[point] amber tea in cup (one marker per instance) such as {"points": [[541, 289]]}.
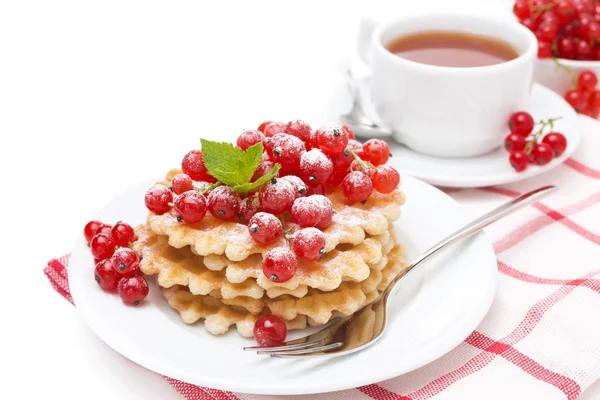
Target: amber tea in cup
{"points": [[452, 49]]}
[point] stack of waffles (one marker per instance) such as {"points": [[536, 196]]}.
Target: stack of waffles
{"points": [[212, 270]]}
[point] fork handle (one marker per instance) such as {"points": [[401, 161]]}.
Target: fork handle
{"points": [[478, 224]]}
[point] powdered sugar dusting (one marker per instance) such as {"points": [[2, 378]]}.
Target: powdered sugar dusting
{"points": [[315, 158], [299, 186]]}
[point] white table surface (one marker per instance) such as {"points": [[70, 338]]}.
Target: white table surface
{"points": [[95, 96]]}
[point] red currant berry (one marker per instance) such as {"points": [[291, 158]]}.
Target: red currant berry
{"points": [[102, 246], [345, 158], [583, 6], [326, 212], [594, 100], [307, 211], [556, 141], [332, 140], [265, 228], [587, 81], [104, 228], [276, 196], [123, 234], [521, 9], [519, 161], [529, 23], [514, 142], [583, 50], [262, 126], [577, 99], [264, 167], [191, 206], [385, 179], [273, 128], [90, 230], [158, 199], [279, 264], [365, 168], [299, 186], [181, 183], [224, 203], [270, 330], [550, 17], [376, 151], [312, 190], [336, 177], [287, 151], [547, 31], [133, 289], [521, 123], [106, 276], [542, 154], [309, 244], [314, 140], [193, 165], [581, 24], [564, 10], [248, 208], [593, 32], [349, 131], [300, 129], [566, 48], [544, 49], [357, 187], [590, 112], [125, 260], [315, 167], [249, 138]]}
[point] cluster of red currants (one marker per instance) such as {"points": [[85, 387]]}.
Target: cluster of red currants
{"points": [[585, 96], [117, 266], [526, 146], [564, 28]]}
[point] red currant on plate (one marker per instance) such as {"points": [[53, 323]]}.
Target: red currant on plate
{"points": [[104, 228], [376, 151], [309, 244], [521, 123], [276, 196], [248, 208], [544, 49], [514, 142], [181, 183], [519, 161], [326, 212], [224, 203], [191, 206], [287, 151], [300, 129], [307, 211], [279, 264], [557, 141], [106, 276], [350, 132], [193, 165], [90, 230], [332, 140], [273, 128], [299, 186], [521, 9], [542, 154], [158, 199], [587, 80], [133, 289], [249, 138], [102, 246], [385, 179], [315, 167], [577, 99], [265, 228], [125, 261], [270, 330], [123, 234], [365, 168], [262, 126], [357, 187]]}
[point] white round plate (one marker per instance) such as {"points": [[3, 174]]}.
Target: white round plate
{"points": [[486, 170], [434, 311]]}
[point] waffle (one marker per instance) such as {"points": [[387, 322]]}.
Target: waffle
{"points": [[205, 275], [351, 225]]}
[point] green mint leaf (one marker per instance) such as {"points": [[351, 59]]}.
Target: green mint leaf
{"points": [[229, 164], [252, 186]]}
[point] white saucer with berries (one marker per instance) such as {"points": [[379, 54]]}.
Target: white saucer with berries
{"points": [[536, 141], [435, 309]]}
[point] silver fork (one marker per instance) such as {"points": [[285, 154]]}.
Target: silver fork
{"points": [[347, 335]]}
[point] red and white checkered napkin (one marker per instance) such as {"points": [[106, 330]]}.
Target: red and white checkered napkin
{"points": [[541, 338]]}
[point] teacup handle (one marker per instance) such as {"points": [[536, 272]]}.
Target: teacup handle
{"points": [[365, 32]]}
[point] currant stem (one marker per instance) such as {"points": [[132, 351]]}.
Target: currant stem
{"points": [[569, 71], [535, 137], [362, 163]]}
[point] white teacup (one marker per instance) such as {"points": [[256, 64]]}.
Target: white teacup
{"points": [[448, 111]]}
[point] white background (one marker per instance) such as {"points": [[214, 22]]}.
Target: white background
{"points": [[95, 96]]}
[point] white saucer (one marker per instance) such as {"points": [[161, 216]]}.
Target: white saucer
{"points": [[435, 310], [486, 170]]}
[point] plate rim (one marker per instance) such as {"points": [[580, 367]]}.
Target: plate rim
{"points": [[478, 315]]}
